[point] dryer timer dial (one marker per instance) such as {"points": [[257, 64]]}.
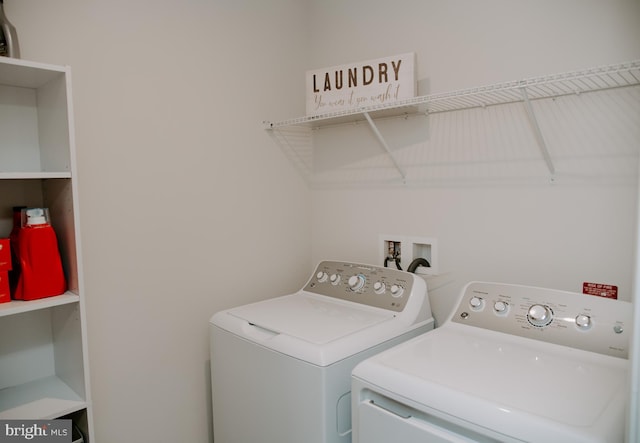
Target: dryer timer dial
{"points": [[540, 315]]}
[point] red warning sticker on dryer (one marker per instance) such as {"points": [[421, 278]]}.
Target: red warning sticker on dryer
{"points": [[601, 290]]}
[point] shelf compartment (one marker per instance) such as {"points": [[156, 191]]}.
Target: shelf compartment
{"points": [[54, 193], [41, 367], [45, 398], [34, 118]]}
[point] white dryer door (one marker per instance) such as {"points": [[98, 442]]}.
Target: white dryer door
{"points": [[381, 425]]}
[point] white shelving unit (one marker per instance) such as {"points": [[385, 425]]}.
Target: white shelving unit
{"points": [[296, 136], [43, 351]]}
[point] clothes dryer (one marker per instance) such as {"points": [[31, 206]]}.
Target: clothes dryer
{"points": [[281, 368], [512, 364]]}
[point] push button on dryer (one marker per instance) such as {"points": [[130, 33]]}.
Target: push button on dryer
{"points": [[583, 322]]}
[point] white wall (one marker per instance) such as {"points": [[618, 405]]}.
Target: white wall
{"points": [[187, 206], [556, 235], [464, 43], [524, 235]]}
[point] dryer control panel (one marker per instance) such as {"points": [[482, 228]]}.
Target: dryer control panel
{"points": [[365, 284], [565, 318]]}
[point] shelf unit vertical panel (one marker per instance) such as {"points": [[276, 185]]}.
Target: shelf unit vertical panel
{"points": [[74, 256]]}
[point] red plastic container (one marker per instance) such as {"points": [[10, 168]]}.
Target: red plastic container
{"points": [[5, 296], [41, 273], [5, 254]]}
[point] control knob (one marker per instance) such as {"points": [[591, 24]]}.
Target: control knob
{"points": [[356, 282], [334, 279], [476, 303], [379, 287], [539, 315], [396, 291], [322, 276], [500, 307]]}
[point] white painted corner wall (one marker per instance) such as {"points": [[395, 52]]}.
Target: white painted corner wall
{"points": [[188, 207]]}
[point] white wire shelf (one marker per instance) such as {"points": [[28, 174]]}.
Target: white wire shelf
{"points": [[577, 123], [577, 82]]}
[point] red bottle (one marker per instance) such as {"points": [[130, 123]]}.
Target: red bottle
{"points": [[41, 273]]}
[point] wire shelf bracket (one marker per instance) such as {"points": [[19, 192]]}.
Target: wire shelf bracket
{"points": [[384, 144], [542, 144]]}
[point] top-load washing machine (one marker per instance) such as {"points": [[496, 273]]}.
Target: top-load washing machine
{"points": [[512, 364], [281, 368]]}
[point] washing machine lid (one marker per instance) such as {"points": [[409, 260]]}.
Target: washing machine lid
{"points": [[503, 382], [314, 319]]}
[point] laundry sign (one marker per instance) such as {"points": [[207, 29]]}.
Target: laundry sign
{"points": [[362, 84]]}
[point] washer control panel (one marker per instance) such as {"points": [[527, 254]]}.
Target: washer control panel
{"points": [[576, 320], [365, 284]]}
